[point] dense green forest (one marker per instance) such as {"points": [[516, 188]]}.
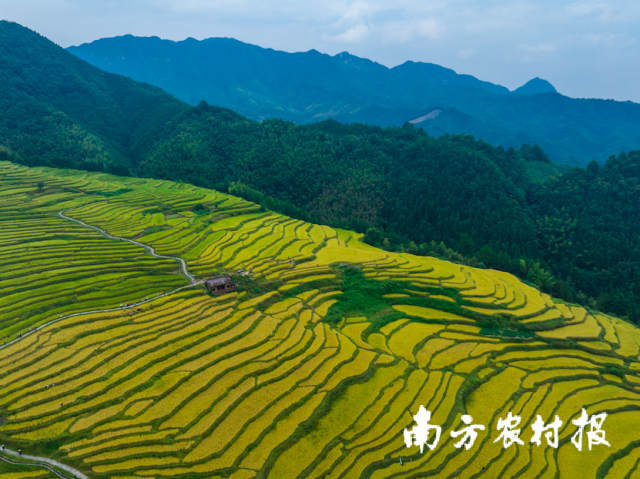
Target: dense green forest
{"points": [[57, 110], [306, 87], [572, 233]]}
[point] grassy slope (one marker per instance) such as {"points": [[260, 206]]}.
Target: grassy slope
{"points": [[308, 369]]}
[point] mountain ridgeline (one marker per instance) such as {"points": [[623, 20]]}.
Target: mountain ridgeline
{"points": [[575, 234], [309, 86]]}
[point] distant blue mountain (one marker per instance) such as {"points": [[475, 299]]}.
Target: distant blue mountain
{"points": [[310, 86], [432, 73], [535, 87]]}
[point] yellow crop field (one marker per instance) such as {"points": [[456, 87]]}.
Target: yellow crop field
{"points": [[430, 348], [392, 326], [467, 337], [138, 406], [599, 345], [403, 341], [546, 353], [369, 416], [281, 432], [610, 332], [589, 329], [429, 313], [452, 355], [106, 435], [270, 381], [559, 362], [134, 451], [379, 341], [45, 433], [24, 474], [127, 439], [467, 366], [534, 378], [136, 463]]}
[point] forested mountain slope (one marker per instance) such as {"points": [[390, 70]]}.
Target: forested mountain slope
{"points": [[588, 224], [57, 109], [310, 86]]}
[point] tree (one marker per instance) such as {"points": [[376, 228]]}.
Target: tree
{"points": [[466, 246], [593, 168], [373, 237], [602, 302], [119, 169], [40, 185], [487, 256]]}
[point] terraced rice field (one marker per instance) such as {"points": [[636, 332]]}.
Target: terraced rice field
{"points": [[294, 375]]}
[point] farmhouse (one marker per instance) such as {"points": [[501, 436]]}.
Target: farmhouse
{"points": [[220, 285]]}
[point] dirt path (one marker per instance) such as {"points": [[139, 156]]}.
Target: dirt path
{"points": [[183, 264], [42, 462]]}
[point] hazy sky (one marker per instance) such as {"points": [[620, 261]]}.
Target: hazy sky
{"points": [[586, 49]]}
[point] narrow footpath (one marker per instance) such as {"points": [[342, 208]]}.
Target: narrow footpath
{"points": [[42, 462], [183, 264]]}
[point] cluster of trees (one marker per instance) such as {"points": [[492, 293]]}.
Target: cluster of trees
{"points": [[588, 238], [588, 224]]}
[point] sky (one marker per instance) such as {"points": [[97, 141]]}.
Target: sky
{"points": [[586, 49]]}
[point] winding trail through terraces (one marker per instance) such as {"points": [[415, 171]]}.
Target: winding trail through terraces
{"points": [[42, 462], [183, 270], [183, 264]]}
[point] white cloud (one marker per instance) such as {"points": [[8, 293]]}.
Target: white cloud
{"points": [[355, 13], [429, 28], [539, 48], [464, 54], [582, 9], [353, 34], [403, 31]]}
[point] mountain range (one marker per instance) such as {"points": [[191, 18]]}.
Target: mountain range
{"points": [[310, 86]]}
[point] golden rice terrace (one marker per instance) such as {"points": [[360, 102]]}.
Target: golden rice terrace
{"points": [[313, 368]]}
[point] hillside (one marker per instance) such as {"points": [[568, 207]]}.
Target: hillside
{"points": [[413, 188], [309, 86], [420, 194], [588, 221], [354, 176], [58, 110], [311, 368]]}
